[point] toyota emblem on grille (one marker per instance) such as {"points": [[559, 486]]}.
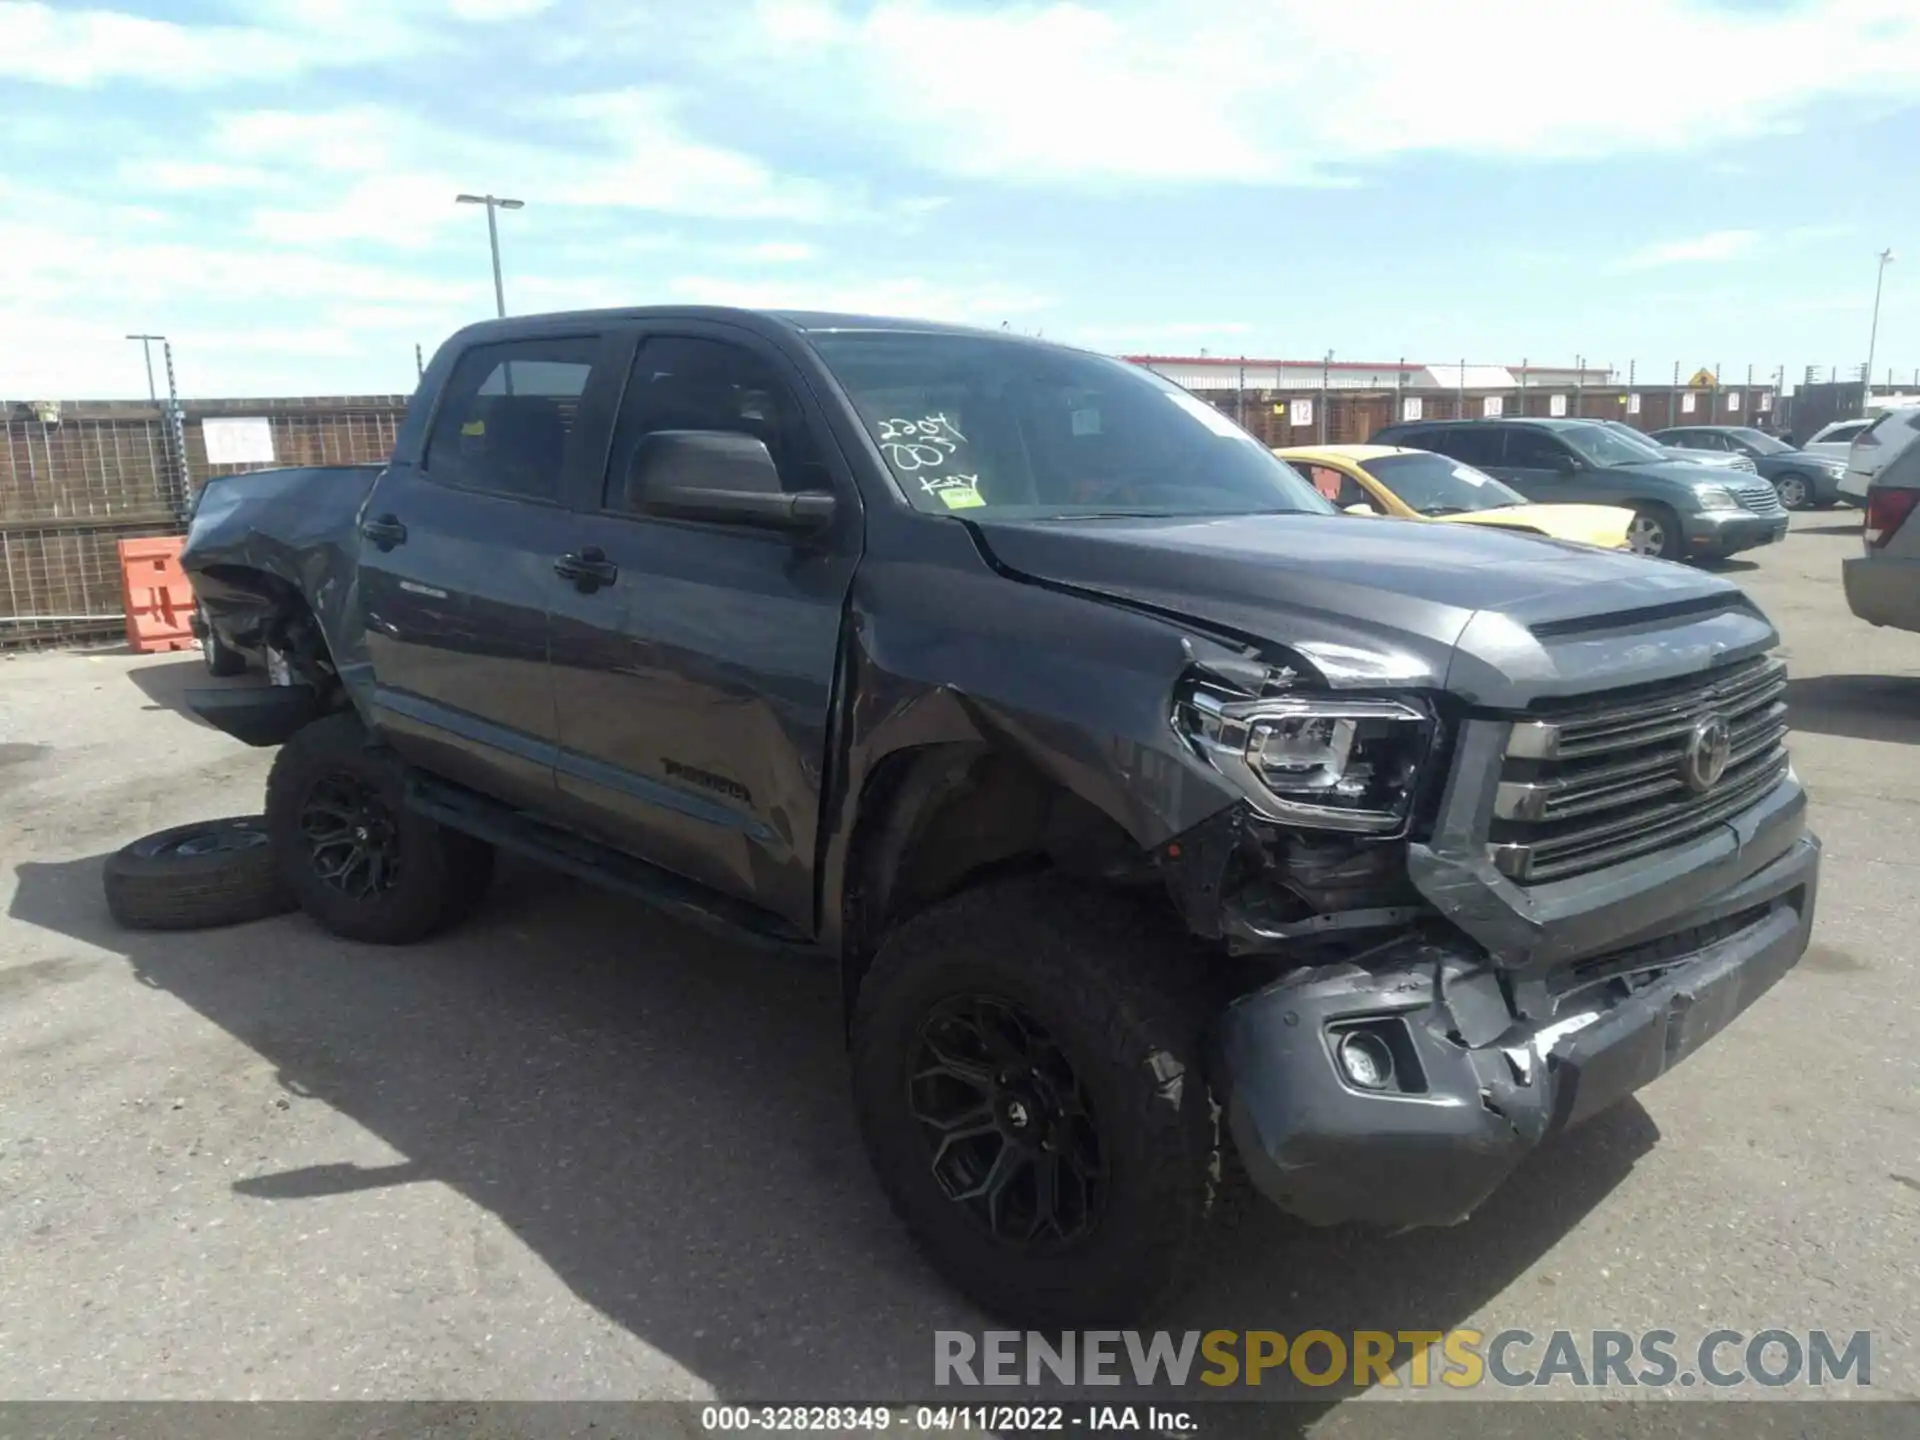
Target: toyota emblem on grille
{"points": [[1704, 760]]}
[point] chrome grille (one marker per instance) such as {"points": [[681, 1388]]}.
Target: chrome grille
{"points": [[1762, 499], [1605, 781]]}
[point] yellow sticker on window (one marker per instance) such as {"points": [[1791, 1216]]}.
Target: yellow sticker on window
{"points": [[962, 495], [474, 427]]}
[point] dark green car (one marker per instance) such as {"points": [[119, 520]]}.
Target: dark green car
{"points": [[1681, 511]]}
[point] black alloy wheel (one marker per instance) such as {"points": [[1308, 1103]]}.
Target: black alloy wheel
{"points": [[352, 837], [1009, 1131]]}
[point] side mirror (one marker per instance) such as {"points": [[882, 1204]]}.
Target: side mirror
{"points": [[1564, 464], [720, 477]]}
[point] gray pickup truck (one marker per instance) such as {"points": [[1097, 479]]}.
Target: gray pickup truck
{"points": [[1165, 826]]}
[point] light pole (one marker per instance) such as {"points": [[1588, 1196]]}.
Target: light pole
{"points": [[493, 203], [1873, 334], [146, 346]]}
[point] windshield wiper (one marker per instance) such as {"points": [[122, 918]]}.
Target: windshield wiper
{"points": [[1445, 510]]}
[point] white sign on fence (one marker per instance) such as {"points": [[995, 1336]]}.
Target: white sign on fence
{"points": [[1633, 403], [1686, 403], [1491, 406], [1410, 407], [1300, 412], [1733, 399], [1766, 402], [1556, 405], [238, 442]]}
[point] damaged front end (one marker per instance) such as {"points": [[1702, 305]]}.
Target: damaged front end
{"points": [[1387, 1062]]}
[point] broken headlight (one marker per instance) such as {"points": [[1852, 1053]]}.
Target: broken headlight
{"points": [[1316, 760]]}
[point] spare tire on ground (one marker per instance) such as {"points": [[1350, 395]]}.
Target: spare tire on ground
{"points": [[195, 877]]}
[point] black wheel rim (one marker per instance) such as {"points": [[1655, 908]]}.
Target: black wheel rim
{"points": [[215, 839], [352, 836], [1010, 1134]]}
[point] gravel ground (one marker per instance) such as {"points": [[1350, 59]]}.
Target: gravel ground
{"points": [[575, 1151]]}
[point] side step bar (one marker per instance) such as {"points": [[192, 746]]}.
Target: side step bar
{"points": [[575, 854]]}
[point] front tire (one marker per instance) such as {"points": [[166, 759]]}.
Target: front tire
{"points": [[1795, 491], [1027, 1071], [358, 860], [1655, 531]]}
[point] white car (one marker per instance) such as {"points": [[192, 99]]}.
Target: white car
{"points": [[1877, 445], [1835, 440], [1883, 582]]}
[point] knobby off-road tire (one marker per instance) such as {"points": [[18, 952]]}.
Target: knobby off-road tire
{"points": [[357, 859], [1118, 1001], [196, 877]]}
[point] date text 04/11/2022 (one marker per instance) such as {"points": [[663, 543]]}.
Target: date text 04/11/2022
{"points": [[949, 1419]]}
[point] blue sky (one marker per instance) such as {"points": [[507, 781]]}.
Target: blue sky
{"points": [[270, 182]]}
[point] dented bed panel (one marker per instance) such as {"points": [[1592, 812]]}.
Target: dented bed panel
{"points": [[297, 528]]}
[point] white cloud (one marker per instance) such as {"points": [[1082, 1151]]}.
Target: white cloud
{"points": [[1295, 91], [1698, 249], [985, 303], [88, 46], [486, 11]]}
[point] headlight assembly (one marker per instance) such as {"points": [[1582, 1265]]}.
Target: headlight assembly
{"points": [[1714, 497], [1321, 761]]}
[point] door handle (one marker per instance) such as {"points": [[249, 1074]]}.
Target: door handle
{"points": [[386, 532], [588, 569]]}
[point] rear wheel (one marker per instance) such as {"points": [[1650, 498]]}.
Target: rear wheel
{"points": [[221, 658], [350, 850], [1794, 491], [1027, 1069], [1654, 530]]}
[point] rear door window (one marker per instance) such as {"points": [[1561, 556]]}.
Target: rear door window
{"points": [[506, 414], [1474, 444]]}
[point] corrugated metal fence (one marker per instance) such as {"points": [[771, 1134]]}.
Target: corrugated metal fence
{"points": [[76, 478]]}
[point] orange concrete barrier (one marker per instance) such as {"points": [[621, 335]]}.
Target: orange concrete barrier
{"points": [[155, 592]]}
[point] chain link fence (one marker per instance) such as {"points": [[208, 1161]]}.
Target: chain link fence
{"points": [[77, 476]]}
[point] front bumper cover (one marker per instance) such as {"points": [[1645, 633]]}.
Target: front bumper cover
{"points": [[1491, 1086], [1727, 532]]}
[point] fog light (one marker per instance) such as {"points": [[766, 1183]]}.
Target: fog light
{"points": [[1367, 1060]]}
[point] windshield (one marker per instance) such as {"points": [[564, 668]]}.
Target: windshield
{"points": [[975, 425], [1601, 446], [1760, 441], [1626, 432], [1435, 485]]}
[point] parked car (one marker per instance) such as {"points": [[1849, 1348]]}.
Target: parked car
{"points": [[1835, 441], [1713, 460], [1801, 480], [1420, 485], [1884, 439], [1680, 511], [1153, 813], [1883, 582]]}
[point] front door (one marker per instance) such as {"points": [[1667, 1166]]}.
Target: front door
{"points": [[694, 669], [1541, 466], [456, 568]]}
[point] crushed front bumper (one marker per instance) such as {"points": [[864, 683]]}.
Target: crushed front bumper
{"points": [[1477, 1088]]}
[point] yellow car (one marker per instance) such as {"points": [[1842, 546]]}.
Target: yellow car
{"points": [[1420, 485]]}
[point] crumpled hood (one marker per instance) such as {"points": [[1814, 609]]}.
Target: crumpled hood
{"points": [[1500, 618]]}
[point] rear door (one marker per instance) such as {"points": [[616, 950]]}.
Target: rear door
{"points": [[695, 675], [456, 566]]}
